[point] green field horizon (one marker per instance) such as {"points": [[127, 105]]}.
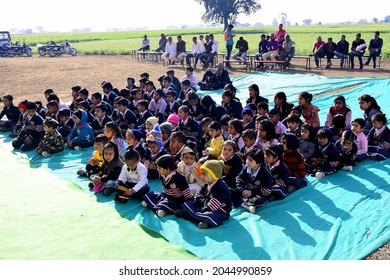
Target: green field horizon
{"points": [[123, 42]]}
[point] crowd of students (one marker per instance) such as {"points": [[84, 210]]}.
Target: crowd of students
{"points": [[209, 156]]}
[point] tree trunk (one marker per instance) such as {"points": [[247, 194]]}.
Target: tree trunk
{"points": [[225, 21]]}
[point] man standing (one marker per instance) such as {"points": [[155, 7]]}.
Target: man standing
{"points": [[280, 31], [228, 35], [375, 48]]}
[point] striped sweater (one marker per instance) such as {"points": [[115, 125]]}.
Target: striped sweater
{"points": [[175, 186], [215, 196], [295, 163]]}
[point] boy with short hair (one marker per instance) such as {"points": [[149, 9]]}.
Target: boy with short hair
{"points": [[96, 99], [109, 95], [274, 117], [143, 111], [101, 118], [52, 142], [262, 109], [66, 123], [11, 112], [75, 95], [225, 126], [247, 119], [249, 137], [294, 124], [127, 118], [32, 131], [172, 104], [52, 110]]}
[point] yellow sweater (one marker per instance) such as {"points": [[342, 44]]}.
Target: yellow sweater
{"points": [[215, 148], [99, 157]]}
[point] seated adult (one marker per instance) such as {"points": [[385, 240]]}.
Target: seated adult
{"points": [[196, 52], [374, 49], [170, 51], [342, 50], [318, 51], [329, 48], [222, 76], [162, 43], [242, 46], [145, 45], [209, 81], [261, 50], [358, 48], [272, 49], [180, 49], [209, 52], [288, 51]]}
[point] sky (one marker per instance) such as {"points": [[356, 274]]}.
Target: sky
{"points": [[156, 14]]}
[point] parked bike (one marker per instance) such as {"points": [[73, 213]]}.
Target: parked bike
{"points": [[9, 50], [54, 49]]}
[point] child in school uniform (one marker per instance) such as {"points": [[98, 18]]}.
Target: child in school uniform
{"points": [[172, 104], [52, 141], [339, 108], [127, 118], [87, 108], [11, 112], [266, 135], [278, 171], [114, 134], [326, 158], [281, 104], [158, 106], [82, 135], [274, 117], [233, 167], [247, 119], [254, 183], [294, 161], [205, 138], [31, 132], [174, 119], [307, 141], [20, 123], [175, 189], [95, 163], [235, 129], [212, 204], [166, 132], [232, 106], [150, 123], [338, 126], [361, 139], [105, 181], [196, 110], [177, 143], [135, 138], [293, 124], [254, 95], [249, 138], [379, 138], [348, 149], [66, 123], [190, 168], [187, 124], [143, 113], [133, 179], [224, 121], [101, 118], [154, 151]]}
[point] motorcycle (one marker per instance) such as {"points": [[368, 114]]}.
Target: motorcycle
{"points": [[54, 49], [10, 50]]}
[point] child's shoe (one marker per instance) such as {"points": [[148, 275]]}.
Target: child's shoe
{"points": [[347, 168], [45, 154], [252, 209], [144, 204], [108, 191], [204, 225], [90, 185], [161, 213], [320, 175], [77, 148], [81, 172]]}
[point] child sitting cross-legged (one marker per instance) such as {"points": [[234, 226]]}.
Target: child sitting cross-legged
{"points": [[379, 138], [82, 135], [175, 189], [31, 131], [105, 181], [11, 112], [213, 202], [216, 142], [133, 180], [95, 163], [52, 142], [348, 149], [254, 182], [135, 138]]}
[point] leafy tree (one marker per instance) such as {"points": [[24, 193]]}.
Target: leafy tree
{"points": [[306, 21], [223, 11], [387, 19], [375, 20]]}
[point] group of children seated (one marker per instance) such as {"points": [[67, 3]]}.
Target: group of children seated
{"points": [[209, 157]]}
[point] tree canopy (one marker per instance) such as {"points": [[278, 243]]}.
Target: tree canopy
{"points": [[227, 11]]}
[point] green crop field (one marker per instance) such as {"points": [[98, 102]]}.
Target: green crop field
{"points": [[112, 43]]}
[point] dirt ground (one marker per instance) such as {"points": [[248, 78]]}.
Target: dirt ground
{"points": [[28, 77]]}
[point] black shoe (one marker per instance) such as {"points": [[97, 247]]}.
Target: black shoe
{"points": [[204, 225], [90, 185], [108, 191], [82, 173]]}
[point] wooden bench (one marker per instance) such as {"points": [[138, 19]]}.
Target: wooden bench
{"points": [[279, 63], [346, 60], [245, 63], [306, 57], [148, 55]]}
